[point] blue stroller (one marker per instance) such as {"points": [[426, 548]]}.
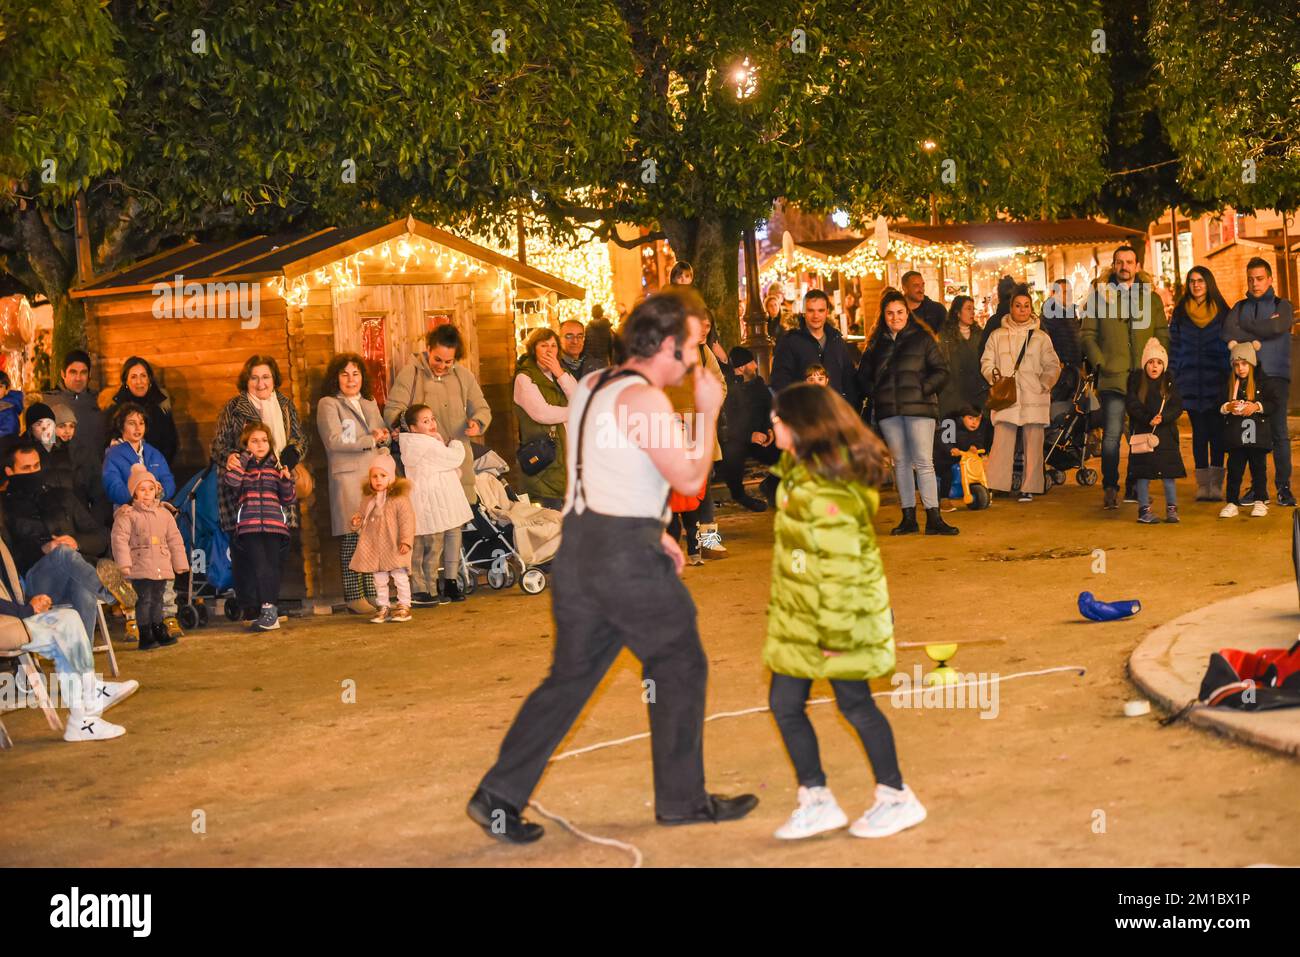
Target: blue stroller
{"points": [[207, 545]]}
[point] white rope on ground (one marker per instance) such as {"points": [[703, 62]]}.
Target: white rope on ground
{"points": [[636, 852], [607, 841], [994, 679]]}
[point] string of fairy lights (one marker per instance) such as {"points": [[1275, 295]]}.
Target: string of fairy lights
{"points": [[409, 252], [865, 259]]}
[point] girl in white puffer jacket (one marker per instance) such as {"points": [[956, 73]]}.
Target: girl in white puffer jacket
{"points": [[441, 508]]}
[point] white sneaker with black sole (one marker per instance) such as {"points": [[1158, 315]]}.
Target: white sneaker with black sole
{"points": [[817, 813], [893, 811]]}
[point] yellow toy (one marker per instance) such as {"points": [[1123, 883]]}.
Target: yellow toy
{"points": [[974, 483], [942, 653]]}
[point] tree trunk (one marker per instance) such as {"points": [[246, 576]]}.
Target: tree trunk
{"points": [[69, 328], [711, 245]]}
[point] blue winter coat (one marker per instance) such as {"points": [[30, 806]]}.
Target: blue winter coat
{"points": [[11, 407], [1198, 359], [117, 467]]}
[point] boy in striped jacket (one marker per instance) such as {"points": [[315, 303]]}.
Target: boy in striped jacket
{"points": [[261, 541]]}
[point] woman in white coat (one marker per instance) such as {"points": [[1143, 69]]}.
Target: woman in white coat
{"points": [[351, 427], [1035, 375], [441, 508]]}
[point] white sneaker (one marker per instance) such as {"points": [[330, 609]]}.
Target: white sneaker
{"points": [[1229, 511], [84, 727], [893, 811], [817, 813], [111, 693], [1258, 510]]}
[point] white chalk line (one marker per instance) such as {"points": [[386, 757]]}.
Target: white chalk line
{"points": [[637, 856]]}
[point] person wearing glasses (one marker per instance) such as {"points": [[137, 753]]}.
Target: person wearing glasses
{"points": [[572, 359]]}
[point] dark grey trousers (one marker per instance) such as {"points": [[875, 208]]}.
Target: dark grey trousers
{"points": [[613, 588]]}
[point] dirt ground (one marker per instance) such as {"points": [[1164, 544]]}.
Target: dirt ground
{"points": [[253, 731]]}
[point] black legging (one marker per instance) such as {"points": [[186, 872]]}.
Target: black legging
{"points": [[1207, 438], [788, 699], [691, 521]]}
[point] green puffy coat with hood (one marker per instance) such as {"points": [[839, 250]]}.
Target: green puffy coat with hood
{"points": [[828, 581]]}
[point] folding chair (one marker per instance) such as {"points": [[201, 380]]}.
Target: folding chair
{"points": [[102, 628], [36, 682]]}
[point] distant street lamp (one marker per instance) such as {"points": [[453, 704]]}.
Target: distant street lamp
{"points": [[745, 78]]}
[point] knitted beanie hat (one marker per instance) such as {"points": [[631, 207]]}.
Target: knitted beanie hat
{"points": [[384, 462], [1154, 350], [139, 474], [1244, 350]]}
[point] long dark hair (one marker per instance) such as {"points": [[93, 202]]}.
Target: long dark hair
{"points": [[329, 386], [1212, 294], [893, 295], [829, 436]]}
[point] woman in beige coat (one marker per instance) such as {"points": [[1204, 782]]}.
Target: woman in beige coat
{"points": [[351, 427], [1035, 376]]}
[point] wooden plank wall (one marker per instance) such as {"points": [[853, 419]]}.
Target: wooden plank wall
{"points": [[198, 360]]}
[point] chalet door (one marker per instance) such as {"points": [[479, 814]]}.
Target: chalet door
{"points": [[387, 324]]}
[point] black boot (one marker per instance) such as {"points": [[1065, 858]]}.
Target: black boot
{"points": [[149, 637], [451, 589], [908, 525], [500, 820], [161, 635], [935, 525], [745, 500]]}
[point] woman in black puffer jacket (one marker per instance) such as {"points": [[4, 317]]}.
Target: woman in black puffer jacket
{"points": [[901, 373]]}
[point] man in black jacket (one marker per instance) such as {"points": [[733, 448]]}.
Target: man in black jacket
{"points": [[923, 307], [56, 542], [815, 343], [748, 408]]}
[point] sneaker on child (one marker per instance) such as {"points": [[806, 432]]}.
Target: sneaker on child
{"points": [[1258, 510], [893, 811], [1229, 511], [817, 813]]}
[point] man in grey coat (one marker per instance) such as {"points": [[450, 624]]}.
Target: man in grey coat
{"points": [[450, 390]]}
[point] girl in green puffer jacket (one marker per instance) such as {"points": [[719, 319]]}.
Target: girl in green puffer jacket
{"points": [[829, 614]]}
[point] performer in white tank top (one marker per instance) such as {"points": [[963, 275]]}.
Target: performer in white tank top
{"points": [[616, 578], [619, 478]]}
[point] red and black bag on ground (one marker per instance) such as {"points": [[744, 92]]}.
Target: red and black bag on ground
{"points": [[1249, 681]]}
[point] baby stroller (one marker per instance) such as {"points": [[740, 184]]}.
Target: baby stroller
{"points": [[506, 540], [1074, 436], [207, 546]]}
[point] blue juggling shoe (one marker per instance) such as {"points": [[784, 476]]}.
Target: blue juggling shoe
{"points": [[1095, 610]]}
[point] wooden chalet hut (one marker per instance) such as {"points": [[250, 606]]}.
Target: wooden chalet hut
{"points": [[197, 312]]}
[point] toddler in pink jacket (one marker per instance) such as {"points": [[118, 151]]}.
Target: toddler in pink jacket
{"points": [[148, 546]]}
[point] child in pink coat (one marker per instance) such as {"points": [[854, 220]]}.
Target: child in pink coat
{"points": [[148, 546]]}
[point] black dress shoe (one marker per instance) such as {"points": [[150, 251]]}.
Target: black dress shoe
{"points": [[500, 820], [718, 809], [751, 503]]}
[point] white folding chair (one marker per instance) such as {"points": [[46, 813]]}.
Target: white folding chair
{"points": [[36, 683], [102, 627]]}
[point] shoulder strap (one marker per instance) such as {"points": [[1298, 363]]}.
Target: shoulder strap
{"points": [[1020, 358], [606, 376]]}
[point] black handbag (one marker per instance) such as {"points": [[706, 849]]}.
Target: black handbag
{"points": [[536, 455]]}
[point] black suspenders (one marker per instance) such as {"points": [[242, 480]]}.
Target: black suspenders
{"points": [[606, 377]]}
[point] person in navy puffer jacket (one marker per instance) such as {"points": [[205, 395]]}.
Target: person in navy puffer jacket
{"points": [[1198, 359], [129, 425], [1266, 318]]}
